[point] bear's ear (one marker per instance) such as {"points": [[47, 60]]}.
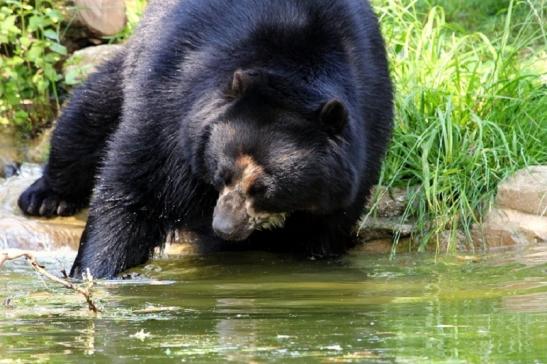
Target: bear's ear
{"points": [[242, 81], [333, 116]]}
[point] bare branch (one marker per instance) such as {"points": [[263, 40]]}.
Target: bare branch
{"points": [[31, 259]]}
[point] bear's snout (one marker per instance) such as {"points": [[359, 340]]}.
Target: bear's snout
{"points": [[230, 218]]}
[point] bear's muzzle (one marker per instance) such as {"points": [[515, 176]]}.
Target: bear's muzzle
{"points": [[235, 219], [230, 218]]}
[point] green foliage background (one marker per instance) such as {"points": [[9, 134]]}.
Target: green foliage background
{"points": [[30, 50]]}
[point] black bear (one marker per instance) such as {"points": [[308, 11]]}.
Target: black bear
{"points": [[255, 124]]}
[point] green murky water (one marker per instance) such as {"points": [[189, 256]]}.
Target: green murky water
{"points": [[263, 308]]}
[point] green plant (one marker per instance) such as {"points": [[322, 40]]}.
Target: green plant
{"points": [[30, 50], [470, 111], [488, 16]]}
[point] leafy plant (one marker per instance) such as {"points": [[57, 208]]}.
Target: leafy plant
{"points": [[30, 50]]}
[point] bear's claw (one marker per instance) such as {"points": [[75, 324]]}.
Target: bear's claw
{"points": [[40, 200]]}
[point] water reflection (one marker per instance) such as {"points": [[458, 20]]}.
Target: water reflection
{"points": [[534, 302], [85, 341], [264, 308], [236, 333]]}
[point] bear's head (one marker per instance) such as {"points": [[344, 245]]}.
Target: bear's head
{"points": [[278, 147]]}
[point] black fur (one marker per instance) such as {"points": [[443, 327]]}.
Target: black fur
{"points": [[162, 123]]}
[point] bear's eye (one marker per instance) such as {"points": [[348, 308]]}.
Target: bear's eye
{"points": [[224, 178], [256, 189]]}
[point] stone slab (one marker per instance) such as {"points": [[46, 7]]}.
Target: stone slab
{"points": [[525, 191], [504, 227]]}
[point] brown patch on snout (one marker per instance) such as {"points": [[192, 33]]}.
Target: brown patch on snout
{"points": [[231, 218], [249, 172], [234, 217]]}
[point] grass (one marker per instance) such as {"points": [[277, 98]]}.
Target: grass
{"points": [[471, 107]]}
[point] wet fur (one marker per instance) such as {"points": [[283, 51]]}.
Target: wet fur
{"points": [[137, 131]]}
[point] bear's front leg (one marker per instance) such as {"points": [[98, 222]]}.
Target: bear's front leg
{"points": [[118, 235]]}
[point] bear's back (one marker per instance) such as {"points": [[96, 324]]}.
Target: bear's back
{"points": [[245, 28], [185, 51]]}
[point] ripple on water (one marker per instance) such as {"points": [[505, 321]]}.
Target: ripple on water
{"points": [[263, 308]]}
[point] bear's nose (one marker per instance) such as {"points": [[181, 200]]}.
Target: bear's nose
{"points": [[224, 227], [229, 229]]}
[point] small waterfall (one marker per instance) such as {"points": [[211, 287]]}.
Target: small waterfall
{"points": [[21, 232]]}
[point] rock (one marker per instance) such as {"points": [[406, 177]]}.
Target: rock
{"points": [[102, 17], [452, 239], [10, 170], [384, 246], [372, 228], [378, 246], [525, 191], [388, 206], [38, 235], [390, 202], [23, 232], [85, 61], [503, 227], [178, 243], [9, 152], [519, 215]]}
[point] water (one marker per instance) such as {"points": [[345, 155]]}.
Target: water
{"points": [[18, 231], [256, 307]]}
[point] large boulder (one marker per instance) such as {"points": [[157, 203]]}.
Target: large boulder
{"points": [[519, 216], [102, 17], [525, 191], [506, 227], [39, 234]]}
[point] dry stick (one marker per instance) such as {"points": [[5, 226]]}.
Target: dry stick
{"points": [[86, 292]]}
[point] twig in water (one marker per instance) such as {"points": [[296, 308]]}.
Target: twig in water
{"points": [[31, 259]]}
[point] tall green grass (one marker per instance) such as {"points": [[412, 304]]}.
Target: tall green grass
{"points": [[471, 109]]}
